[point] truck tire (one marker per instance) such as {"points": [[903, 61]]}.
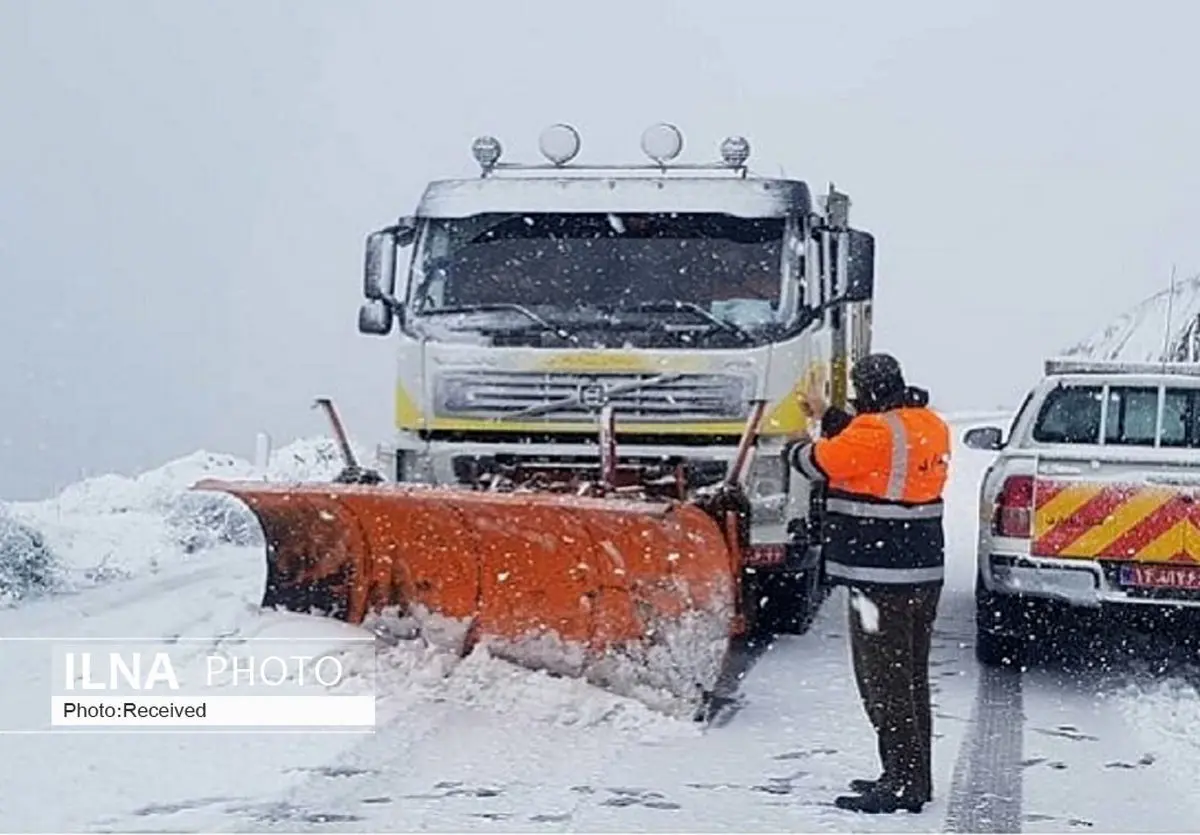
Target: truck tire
{"points": [[993, 650], [997, 636]]}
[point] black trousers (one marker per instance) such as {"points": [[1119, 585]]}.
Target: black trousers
{"points": [[891, 666]]}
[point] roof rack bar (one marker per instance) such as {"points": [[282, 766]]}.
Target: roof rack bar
{"points": [[1067, 365], [661, 142], [628, 166]]}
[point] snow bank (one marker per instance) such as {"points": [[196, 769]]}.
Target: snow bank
{"points": [[117, 527], [427, 648], [412, 672], [27, 565]]}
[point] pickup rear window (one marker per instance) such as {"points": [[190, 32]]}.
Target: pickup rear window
{"points": [[1071, 414]]}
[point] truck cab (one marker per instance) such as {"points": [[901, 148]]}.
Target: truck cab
{"points": [[1091, 503], [525, 301]]}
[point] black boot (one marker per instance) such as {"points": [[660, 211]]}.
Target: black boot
{"points": [[880, 800], [864, 786]]}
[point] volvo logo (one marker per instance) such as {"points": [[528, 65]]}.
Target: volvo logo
{"points": [[593, 394]]}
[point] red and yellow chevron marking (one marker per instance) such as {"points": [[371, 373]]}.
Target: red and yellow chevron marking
{"points": [[1117, 522]]}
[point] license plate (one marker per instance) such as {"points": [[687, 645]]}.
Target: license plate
{"points": [[1161, 576]]}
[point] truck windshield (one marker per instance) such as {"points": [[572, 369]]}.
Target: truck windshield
{"points": [[572, 268]]}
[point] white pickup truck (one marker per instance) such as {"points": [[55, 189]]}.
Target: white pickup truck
{"points": [[1091, 504]]}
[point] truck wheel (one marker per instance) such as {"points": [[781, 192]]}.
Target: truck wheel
{"points": [[997, 633], [992, 650], [785, 603]]}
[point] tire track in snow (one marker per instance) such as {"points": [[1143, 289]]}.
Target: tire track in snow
{"points": [[985, 793]]}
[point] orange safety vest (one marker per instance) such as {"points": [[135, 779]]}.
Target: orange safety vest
{"points": [[885, 474], [899, 456]]}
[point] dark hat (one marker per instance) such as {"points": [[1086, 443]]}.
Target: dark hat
{"points": [[878, 380]]}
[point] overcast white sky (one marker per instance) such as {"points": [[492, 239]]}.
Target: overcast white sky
{"points": [[185, 186]]}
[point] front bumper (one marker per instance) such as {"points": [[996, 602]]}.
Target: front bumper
{"points": [[459, 462], [1079, 583], [455, 462]]}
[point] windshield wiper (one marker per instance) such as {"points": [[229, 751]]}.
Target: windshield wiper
{"points": [[715, 321], [489, 308]]}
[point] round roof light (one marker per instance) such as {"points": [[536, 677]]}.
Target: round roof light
{"points": [[662, 142], [487, 151], [559, 143], [735, 150]]}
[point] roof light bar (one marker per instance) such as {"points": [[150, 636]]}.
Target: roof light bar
{"points": [[559, 144], [662, 143]]}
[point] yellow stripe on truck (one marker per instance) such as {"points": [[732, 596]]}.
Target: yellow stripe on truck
{"points": [[1172, 542], [1129, 522], [1097, 539], [609, 361], [408, 415], [1062, 507], [785, 418]]}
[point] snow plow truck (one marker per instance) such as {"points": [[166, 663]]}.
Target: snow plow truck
{"points": [[598, 366]]}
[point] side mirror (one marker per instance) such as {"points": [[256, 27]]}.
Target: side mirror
{"points": [[860, 266], [984, 437], [379, 267], [375, 318]]}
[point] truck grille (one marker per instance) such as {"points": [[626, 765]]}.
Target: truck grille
{"points": [[573, 397]]}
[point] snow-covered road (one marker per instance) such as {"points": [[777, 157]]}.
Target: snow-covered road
{"points": [[482, 745]]}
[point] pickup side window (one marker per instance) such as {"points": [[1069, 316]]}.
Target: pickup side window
{"points": [[1132, 416], [1012, 427], [1179, 418], [1070, 415]]}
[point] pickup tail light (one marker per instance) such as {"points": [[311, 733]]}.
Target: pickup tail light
{"points": [[1014, 508]]}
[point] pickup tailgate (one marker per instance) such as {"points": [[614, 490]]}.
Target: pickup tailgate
{"points": [[1138, 515]]}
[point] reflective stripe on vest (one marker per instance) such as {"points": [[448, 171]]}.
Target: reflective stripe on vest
{"points": [[897, 576], [803, 460], [870, 510], [898, 474]]}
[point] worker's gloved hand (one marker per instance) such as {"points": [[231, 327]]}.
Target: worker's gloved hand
{"points": [[813, 401]]}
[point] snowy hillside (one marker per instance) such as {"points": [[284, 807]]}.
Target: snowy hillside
{"points": [[1138, 335], [119, 527]]}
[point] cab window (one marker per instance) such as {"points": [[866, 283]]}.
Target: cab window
{"points": [[1070, 415], [1132, 416], [1179, 427]]}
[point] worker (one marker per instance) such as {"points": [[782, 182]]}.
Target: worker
{"points": [[885, 467]]}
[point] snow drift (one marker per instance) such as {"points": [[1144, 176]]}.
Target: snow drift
{"points": [[27, 565], [119, 527]]}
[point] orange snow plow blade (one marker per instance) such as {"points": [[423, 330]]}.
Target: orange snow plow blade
{"points": [[621, 592]]}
